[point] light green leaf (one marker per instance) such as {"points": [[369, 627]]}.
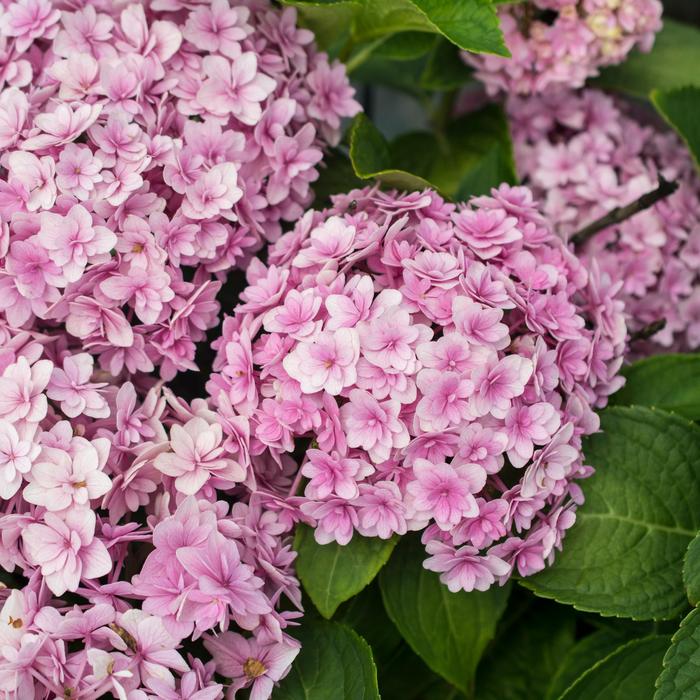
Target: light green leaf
{"points": [[627, 674], [691, 571], [680, 679], [526, 653], [624, 555], [470, 24], [669, 382], [334, 662], [672, 63], [680, 108], [582, 656], [333, 573], [449, 631], [371, 158]]}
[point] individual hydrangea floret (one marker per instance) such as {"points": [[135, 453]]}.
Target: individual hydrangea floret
{"points": [[584, 154], [147, 149], [129, 533], [403, 363], [564, 42]]}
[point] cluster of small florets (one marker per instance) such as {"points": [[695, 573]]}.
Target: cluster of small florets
{"points": [[141, 139], [125, 572], [584, 156], [413, 365], [564, 42]]}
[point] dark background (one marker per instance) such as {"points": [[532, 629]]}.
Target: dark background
{"points": [[686, 10]]}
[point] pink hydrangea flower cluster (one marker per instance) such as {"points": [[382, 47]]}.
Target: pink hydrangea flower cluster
{"points": [[583, 154], [136, 563], [413, 365], [564, 42], [139, 140]]}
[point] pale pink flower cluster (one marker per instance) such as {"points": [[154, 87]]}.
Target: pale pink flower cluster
{"points": [[564, 42], [127, 533], [583, 154], [147, 149], [408, 364]]}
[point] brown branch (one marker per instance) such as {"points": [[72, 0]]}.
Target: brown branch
{"points": [[620, 214], [649, 330]]}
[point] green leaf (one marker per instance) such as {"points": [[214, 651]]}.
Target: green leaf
{"points": [[405, 46], [336, 176], [680, 108], [371, 158], [669, 382], [449, 631], [582, 656], [624, 555], [627, 674], [680, 679], [526, 654], [474, 156], [480, 154], [445, 70], [672, 63], [366, 615], [334, 662], [333, 573], [691, 571], [470, 24], [330, 20]]}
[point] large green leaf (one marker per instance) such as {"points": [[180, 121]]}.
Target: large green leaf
{"points": [[449, 631], [669, 382], [691, 571], [336, 176], [470, 24], [371, 158], [624, 555], [366, 615], [480, 154], [445, 69], [680, 679], [333, 573], [330, 21], [627, 674], [582, 656], [334, 662], [527, 653], [680, 108], [472, 156], [672, 63]]}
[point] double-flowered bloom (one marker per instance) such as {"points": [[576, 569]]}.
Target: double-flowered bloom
{"points": [[584, 154], [562, 43], [407, 364], [133, 503], [147, 149]]}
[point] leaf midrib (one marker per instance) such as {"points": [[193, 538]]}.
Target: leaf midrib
{"points": [[640, 523]]}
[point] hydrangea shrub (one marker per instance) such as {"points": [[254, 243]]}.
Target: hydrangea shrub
{"points": [[405, 364], [561, 43], [584, 154], [147, 149]]}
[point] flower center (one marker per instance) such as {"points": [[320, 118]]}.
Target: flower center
{"points": [[80, 485], [253, 668], [15, 622]]}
